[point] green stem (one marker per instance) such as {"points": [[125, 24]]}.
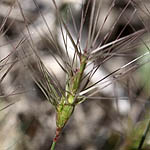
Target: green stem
{"points": [[53, 145], [55, 139], [144, 136], [79, 75]]}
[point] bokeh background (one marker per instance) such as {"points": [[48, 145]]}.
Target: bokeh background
{"points": [[116, 117]]}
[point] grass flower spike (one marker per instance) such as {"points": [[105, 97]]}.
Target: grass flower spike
{"points": [[82, 60]]}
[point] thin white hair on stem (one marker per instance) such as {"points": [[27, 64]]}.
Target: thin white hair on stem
{"points": [[105, 19], [89, 40], [84, 55], [96, 19], [117, 70], [32, 42], [147, 12], [10, 104], [107, 36], [5, 20], [123, 39]]}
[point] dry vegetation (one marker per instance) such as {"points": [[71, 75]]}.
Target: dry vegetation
{"points": [[116, 113]]}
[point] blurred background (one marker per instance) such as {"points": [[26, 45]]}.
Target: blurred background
{"points": [[115, 117]]}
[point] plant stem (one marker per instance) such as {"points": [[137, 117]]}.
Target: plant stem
{"points": [[144, 136], [53, 145], [65, 108], [55, 139]]}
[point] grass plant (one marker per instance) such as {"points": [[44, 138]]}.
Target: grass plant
{"points": [[84, 58]]}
